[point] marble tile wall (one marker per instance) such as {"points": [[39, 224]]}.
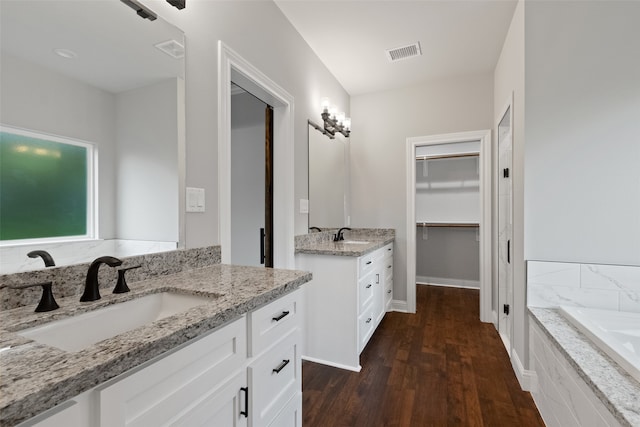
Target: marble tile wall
{"points": [[611, 287], [561, 395], [69, 280]]}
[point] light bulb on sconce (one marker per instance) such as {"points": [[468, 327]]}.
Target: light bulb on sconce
{"points": [[334, 121]]}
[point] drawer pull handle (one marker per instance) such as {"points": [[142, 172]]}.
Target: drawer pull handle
{"points": [[368, 286], [246, 402], [377, 278], [388, 266], [284, 363], [388, 249], [368, 320], [282, 316], [369, 262], [389, 291]]}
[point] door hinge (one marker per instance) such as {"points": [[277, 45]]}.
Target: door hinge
{"points": [[505, 173], [505, 309]]}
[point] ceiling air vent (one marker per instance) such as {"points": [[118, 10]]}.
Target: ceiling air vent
{"points": [[171, 48], [404, 52]]}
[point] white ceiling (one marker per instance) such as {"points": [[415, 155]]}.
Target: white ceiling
{"points": [[115, 47], [457, 37]]}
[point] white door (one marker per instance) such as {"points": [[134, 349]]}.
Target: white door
{"points": [[505, 226]]}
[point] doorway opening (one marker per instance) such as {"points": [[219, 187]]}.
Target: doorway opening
{"points": [[251, 179], [233, 68], [483, 152]]}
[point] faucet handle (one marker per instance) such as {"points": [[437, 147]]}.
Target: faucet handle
{"points": [[47, 301], [121, 286]]}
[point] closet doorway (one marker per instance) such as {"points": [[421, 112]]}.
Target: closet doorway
{"points": [[450, 210]]}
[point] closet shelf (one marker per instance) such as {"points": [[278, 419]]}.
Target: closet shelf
{"points": [[447, 156], [447, 224]]}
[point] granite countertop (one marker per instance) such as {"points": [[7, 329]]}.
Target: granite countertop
{"points": [[618, 391], [36, 377], [376, 239]]}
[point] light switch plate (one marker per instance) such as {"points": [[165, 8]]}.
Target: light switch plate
{"points": [[304, 206], [195, 199]]}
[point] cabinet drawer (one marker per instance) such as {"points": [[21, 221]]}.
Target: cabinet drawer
{"points": [[388, 251], [388, 295], [366, 263], [273, 321], [366, 323], [291, 415], [273, 379], [388, 269], [366, 288], [171, 387]]}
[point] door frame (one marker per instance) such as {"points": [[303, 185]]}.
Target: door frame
{"points": [[233, 67], [484, 136]]}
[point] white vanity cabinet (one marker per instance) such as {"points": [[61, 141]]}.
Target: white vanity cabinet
{"points": [[344, 303], [233, 376]]}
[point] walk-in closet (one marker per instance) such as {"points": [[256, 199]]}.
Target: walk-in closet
{"points": [[448, 206]]}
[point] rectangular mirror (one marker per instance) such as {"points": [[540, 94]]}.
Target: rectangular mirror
{"points": [[96, 73], [328, 180]]}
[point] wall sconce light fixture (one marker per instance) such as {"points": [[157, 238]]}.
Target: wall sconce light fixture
{"points": [[334, 121]]}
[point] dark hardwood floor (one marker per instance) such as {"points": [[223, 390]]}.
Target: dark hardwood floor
{"points": [[439, 367]]}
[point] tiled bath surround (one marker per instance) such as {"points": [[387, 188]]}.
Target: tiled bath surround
{"points": [[577, 384], [69, 280], [14, 259], [610, 287]]}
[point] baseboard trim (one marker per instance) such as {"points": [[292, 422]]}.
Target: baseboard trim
{"points": [[399, 305], [443, 281], [494, 314], [527, 378], [335, 365]]}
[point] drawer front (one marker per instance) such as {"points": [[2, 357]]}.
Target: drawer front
{"points": [[274, 379], [366, 323], [388, 269], [388, 295], [273, 321], [388, 251], [366, 263], [366, 288], [291, 415], [172, 386]]}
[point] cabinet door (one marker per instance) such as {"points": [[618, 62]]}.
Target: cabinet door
{"points": [[171, 387]]}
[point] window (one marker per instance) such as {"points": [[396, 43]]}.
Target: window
{"points": [[46, 187]]}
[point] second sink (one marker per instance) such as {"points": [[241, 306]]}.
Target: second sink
{"points": [[81, 331]]}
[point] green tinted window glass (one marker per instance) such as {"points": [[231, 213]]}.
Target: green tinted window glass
{"points": [[43, 188]]}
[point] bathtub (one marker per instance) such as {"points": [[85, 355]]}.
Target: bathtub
{"points": [[616, 333]]}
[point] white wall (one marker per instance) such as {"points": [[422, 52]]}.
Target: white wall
{"points": [[146, 162], [37, 99], [381, 123], [508, 80], [582, 165], [259, 32], [247, 178]]}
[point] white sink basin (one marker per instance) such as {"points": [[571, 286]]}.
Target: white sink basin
{"points": [[355, 242], [81, 331]]}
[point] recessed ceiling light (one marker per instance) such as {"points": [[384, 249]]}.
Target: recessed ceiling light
{"points": [[65, 53]]}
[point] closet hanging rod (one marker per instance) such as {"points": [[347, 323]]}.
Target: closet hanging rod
{"points": [[448, 224], [447, 156]]}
